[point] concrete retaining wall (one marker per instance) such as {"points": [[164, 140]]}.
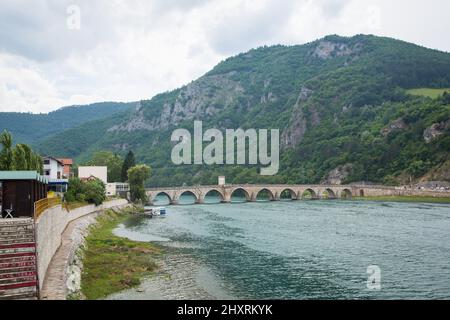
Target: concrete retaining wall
{"points": [[52, 223]]}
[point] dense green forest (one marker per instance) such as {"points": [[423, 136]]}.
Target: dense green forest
{"points": [[342, 105], [31, 128]]}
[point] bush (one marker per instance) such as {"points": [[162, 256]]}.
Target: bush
{"points": [[95, 192], [92, 191]]}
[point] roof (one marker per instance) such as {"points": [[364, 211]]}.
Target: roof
{"points": [[66, 161], [22, 175], [53, 158], [91, 177]]}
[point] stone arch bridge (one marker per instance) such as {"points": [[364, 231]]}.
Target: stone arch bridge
{"points": [[274, 192]]}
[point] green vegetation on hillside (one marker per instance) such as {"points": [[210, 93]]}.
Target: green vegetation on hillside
{"points": [[31, 128], [427, 92], [337, 101]]}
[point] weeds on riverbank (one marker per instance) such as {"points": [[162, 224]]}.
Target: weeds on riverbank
{"points": [[112, 264]]}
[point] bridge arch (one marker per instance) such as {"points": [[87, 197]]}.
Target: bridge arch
{"points": [[285, 192], [271, 195], [308, 194], [246, 194], [154, 197], [328, 194], [346, 194], [210, 192], [195, 197]]}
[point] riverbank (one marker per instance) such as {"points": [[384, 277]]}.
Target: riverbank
{"points": [[414, 199], [59, 234], [111, 263]]}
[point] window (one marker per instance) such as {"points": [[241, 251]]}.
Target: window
{"points": [[46, 161], [46, 172], [58, 175]]}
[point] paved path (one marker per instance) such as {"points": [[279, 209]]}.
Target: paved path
{"points": [[54, 287]]}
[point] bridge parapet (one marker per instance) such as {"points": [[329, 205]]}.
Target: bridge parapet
{"points": [[276, 192]]}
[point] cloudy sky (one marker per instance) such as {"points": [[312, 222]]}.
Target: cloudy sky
{"points": [[55, 53]]}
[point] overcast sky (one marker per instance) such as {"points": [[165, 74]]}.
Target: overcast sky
{"points": [[55, 53]]}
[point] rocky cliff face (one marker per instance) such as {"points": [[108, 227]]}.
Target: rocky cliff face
{"points": [[328, 50], [339, 175], [436, 130], [198, 100], [397, 125], [294, 133]]}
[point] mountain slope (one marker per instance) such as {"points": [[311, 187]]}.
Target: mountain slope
{"points": [[31, 128], [341, 105]]}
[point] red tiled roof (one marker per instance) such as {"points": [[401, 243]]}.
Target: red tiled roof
{"points": [[66, 161]]}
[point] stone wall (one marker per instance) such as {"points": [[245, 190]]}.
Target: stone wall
{"points": [[51, 225], [297, 191], [378, 192]]}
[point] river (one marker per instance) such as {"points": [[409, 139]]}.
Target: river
{"points": [[297, 250]]}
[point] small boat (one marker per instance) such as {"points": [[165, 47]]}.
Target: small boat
{"points": [[157, 211]]}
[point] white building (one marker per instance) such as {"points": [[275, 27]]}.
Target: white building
{"points": [[112, 189], [101, 173], [117, 189], [53, 171], [53, 168]]}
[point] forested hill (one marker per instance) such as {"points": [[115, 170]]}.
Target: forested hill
{"points": [[343, 106], [31, 128]]}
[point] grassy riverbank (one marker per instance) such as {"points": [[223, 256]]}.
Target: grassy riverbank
{"points": [[112, 264], [405, 199]]}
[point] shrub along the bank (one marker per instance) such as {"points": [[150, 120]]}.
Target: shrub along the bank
{"points": [[91, 191]]}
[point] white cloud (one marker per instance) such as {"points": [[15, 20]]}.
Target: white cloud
{"points": [[134, 49]]}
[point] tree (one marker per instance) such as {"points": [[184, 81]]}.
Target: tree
{"points": [[418, 168], [6, 156], [74, 191], [92, 191], [137, 176], [21, 157], [110, 160], [37, 163], [128, 163], [95, 191], [446, 97]]}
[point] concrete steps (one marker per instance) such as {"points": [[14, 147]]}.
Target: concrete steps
{"points": [[18, 269]]}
